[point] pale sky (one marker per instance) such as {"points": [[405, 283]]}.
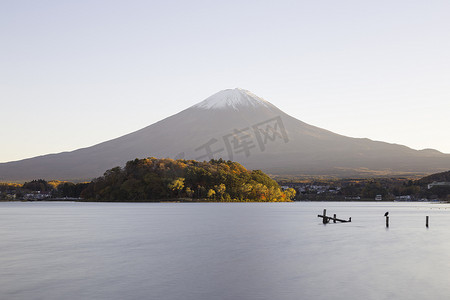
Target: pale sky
{"points": [[76, 73]]}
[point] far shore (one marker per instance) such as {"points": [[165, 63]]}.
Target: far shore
{"points": [[189, 200]]}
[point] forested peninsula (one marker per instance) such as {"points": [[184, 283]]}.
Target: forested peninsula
{"points": [[153, 179]]}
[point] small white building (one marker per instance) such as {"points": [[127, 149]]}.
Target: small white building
{"points": [[11, 196], [403, 198], [435, 183]]}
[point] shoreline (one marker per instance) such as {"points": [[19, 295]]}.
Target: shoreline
{"points": [[214, 201]]}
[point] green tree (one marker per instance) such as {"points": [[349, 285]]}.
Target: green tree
{"points": [[372, 189], [38, 185], [220, 190], [189, 192]]}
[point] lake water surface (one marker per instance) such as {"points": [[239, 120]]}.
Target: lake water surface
{"points": [[206, 251]]}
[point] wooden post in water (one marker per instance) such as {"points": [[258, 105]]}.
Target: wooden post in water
{"points": [[326, 219], [426, 221], [387, 222]]}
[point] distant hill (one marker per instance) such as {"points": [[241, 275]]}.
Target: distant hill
{"points": [[439, 177], [239, 126]]}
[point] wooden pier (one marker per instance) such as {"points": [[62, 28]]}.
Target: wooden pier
{"points": [[326, 219]]}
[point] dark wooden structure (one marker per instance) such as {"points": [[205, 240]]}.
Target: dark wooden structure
{"points": [[326, 219]]}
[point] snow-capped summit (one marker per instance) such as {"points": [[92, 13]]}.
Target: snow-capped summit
{"points": [[232, 98]]}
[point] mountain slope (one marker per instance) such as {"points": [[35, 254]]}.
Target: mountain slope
{"points": [[439, 177], [237, 125]]}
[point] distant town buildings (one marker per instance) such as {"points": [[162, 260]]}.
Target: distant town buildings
{"points": [[403, 198], [37, 195]]}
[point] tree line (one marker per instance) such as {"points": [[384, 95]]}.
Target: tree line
{"points": [[53, 188], [369, 188], [153, 179]]}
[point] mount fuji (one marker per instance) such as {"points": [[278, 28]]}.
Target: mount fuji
{"points": [[237, 125]]}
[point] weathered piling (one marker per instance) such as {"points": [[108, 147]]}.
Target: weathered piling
{"points": [[387, 221], [326, 219], [426, 221]]}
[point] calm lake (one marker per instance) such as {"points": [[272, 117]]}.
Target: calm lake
{"points": [[206, 251]]}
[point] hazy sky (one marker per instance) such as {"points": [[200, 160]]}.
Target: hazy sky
{"points": [[76, 73]]}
